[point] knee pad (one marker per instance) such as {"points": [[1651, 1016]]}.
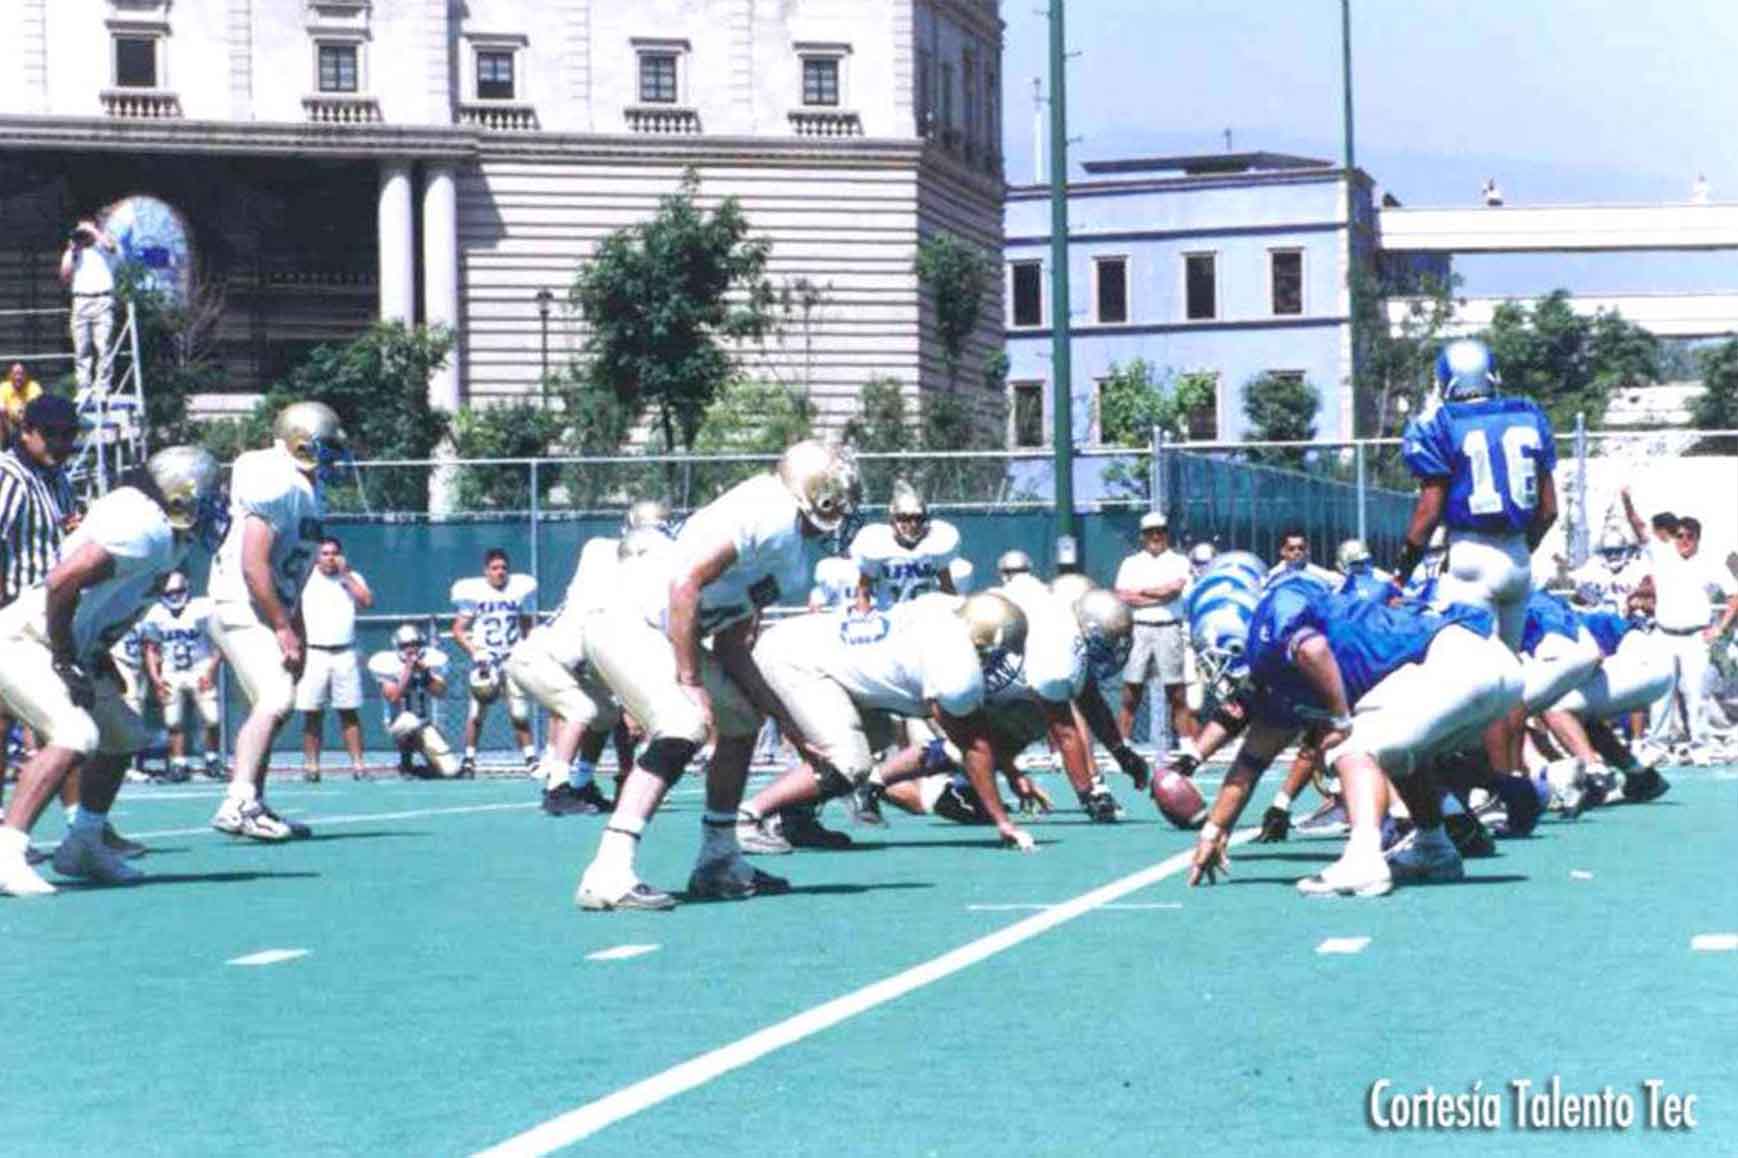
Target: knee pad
{"points": [[404, 726], [74, 729], [833, 783], [667, 757]]}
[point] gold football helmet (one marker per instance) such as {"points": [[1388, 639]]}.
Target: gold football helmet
{"points": [[312, 434], [909, 514], [997, 628], [653, 513], [642, 541], [190, 484], [1107, 630], [824, 481]]}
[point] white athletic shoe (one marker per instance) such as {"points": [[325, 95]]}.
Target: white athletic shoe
{"points": [[18, 879], [1425, 860], [601, 891], [764, 837], [249, 820], [1367, 876], [1568, 781], [1327, 820], [83, 856]]}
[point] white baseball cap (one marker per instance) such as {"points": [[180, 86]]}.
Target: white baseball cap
{"points": [[1154, 521]]}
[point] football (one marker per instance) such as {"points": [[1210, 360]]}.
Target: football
{"points": [[1179, 800]]}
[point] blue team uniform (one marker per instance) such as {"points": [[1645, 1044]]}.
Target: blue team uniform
{"points": [[1608, 627], [1492, 451], [1369, 641], [1547, 614], [1366, 584]]}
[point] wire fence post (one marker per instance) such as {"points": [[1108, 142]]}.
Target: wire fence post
{"points": [[1156, 496], [537, 574], [1363, 495]]}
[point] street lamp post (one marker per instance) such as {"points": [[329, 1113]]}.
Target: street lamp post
{"points": [[545, 300]]}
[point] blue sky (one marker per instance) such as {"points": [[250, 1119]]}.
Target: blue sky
{"points": [[1561, 100]]}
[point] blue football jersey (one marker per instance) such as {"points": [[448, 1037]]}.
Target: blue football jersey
{"points": [[1492, 451], [1547, 614], [1369, 640], [1367, 584], [1608, 627]]}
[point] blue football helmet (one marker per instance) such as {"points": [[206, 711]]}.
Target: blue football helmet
{"points": [[1466, 369]]}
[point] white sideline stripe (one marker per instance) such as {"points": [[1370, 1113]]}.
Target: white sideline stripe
{"points": [[1580, 875], [356, 818], [576, 1125], [1714, 942], [1344, 945], [622, 952], [1026, 907], [269, 957]]}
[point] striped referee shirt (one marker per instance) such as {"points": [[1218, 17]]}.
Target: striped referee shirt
{"points": [[34, 504]]}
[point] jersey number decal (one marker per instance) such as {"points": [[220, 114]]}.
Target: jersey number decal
{"points": [[1523, 476]]}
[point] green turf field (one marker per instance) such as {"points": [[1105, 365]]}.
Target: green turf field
{"points": [[446, 1000]]}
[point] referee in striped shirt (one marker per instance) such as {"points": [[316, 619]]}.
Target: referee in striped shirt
{"points": [[36, 502]]}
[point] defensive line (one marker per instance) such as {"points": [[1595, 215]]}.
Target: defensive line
{"points": [[579, 1124]]}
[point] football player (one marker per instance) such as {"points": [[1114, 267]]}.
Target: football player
{"points": [[1294, 559], [183, 666], [907, 556], [1558, 654], [1606, 581], [412, 680], [500, 606], [1635, 672], [1012, 563], [276, 512], [836, 584], [57, 676], [1387, 686], [735, 556], [844, 678], [598, 559]]}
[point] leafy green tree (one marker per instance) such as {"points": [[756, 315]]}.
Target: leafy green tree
{"points": [[1395, 366], [1717, 406], [1568, 363], [1136, 397], [522, 429], [956, 274], [1280, 408], [662, 296], [747, 418]]}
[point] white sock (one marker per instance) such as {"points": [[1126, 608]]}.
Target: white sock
{"points": [[1364, 841], [470, 752], [13, 841], [243, 792], [581, 773], [1282, 800], [529, 751], [621, 838], [71, 814], [89, 823]]}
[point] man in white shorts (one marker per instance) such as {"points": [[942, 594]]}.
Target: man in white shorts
{"points": [[57, 677], [740, 553], [183, 666], [1152, 582], [330, 677], [493, 612], [257, 577]]}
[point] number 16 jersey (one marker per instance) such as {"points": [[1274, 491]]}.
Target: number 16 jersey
{"points": [[1492, 451]]}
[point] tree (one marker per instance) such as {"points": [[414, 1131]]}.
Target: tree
{"points": [[1568, 363], [1717, 406], [1395, 366], [955, 273], [176, 339], [747, 418], [1136, 397], [661, 296], [521, 429], [1280, 408]]}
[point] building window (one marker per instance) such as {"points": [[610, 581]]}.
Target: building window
{"points": [[1028, 414], [495, 75], [1110, 290], [1292, 377], [338, 68], [821, 80], [1028, 294], [1287, 281], [1200, 286], [135, 62], [945, 113], [658, 78]]}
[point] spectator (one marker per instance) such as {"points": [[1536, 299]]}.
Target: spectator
{"points": [[85, 271], [1151, 581], [1491, 193], [16, 392], [331, 675]]}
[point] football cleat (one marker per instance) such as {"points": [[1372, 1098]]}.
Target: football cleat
{"points": [[1426, 859], [18, 879], [802, 828], [1275, 825], [249, 820], [1328, 820], [298, 830], [864, 805], [1470, 837], [468, 768], [89, 857], [566, 800], [593, 795], [1099, 805], [733, 879], [214, 769], [120, 845], [762, 836], [1368, 876], [961, 804], [1645, 785], [636, 894], [1522, 804]]}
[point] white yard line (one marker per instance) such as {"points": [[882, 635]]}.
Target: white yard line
{"points": [[1714, 942], [353, 818], [1035, 907], [268, 957], [1343, 945], [581, 1123], [622, 952]]}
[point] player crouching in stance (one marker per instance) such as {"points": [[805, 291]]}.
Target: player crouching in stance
{"points": [[183, 666], [57, 678], [735, 556], [412, 677], [844, 678], [1389, 686]]}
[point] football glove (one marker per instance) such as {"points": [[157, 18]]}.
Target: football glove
{"points": [[1275, 825]]}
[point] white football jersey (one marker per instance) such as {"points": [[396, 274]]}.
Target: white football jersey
{"points": [[835, 584], [137, 536], [1053, 667], [898, 660], [129, 650], [1614, 587], [897, 572], [416, 699], [267, 484], [593, 581], [495, 611], [181, 636], [759, 517]]}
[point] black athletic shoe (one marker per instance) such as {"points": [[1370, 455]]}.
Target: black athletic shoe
{"points": [[864, 804], [803, 829], [961, 805], [566, 800], [593, 795], [1470, 837], [298, 830], [467, 769], [1644, 785]]}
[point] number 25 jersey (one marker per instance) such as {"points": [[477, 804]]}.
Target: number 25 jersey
{"points": [[1492, 451]]}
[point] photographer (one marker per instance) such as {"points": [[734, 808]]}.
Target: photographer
{"points": [[84, 269]]}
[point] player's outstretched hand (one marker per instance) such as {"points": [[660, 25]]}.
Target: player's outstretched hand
{"points": [[1034, 801], [1182, 761], [1210, 858], [1018, 839], [1275, 825]]}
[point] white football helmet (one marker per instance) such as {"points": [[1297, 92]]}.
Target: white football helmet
{"points": [[1352, 553], [642, 541], [647, 513], [408, 635], [485, 683], [1014, 562], [824, 481], [176, 591], [909, 515]]}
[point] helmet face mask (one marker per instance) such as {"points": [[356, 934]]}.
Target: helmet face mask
{"points": [[191, 488], [314, 438], [175, 591], [997, 628], [909, 515], [1011, 563], [1106, 632]]}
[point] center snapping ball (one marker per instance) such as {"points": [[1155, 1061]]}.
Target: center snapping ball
{"points": [[1179, 800]]}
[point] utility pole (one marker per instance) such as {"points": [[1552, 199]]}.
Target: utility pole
{"points": [[1037, 131], [1351, 164], [1062, 382]]}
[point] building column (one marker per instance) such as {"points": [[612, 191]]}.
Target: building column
{"points": [[440, 276], [396, 230]]}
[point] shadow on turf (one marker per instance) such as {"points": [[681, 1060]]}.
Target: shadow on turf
{"points": [[324, 837], [226, 878], [835, 890], [1490, 879], [876, 845]]}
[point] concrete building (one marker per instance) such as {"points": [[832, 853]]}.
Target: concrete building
{"points": [[439, 161], [1230, 265]]}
